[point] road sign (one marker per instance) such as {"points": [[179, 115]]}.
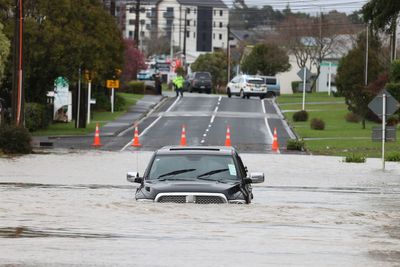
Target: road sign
{"points": [[376, 105], [390, 133], [112, 84], [300, 73]]}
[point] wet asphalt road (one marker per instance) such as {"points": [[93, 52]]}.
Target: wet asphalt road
{"points": [[206, 118]]}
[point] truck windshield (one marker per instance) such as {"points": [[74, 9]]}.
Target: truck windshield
{"points": [[175, 167]]}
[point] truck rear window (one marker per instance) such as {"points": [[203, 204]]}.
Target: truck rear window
{"points": [[203, 75]]}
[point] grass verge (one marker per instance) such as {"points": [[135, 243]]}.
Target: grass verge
{"points": [[340, 138], [100, 117]]}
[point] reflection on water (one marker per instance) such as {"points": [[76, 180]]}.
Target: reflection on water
{"points": [[52, 225]]}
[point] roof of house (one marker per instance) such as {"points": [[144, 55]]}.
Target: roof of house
{"points": [[208, 3]]}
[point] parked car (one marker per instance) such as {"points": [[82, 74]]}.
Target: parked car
{"points": [[203, 175], [199, 82], [146, 75], [273, 86]]}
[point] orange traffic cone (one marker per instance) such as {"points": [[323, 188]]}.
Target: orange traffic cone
{"points": [[183, 136], [135, 142], [228, 137], [275, 145], [96, 142]]}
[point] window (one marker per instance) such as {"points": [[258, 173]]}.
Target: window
{"points": [[142, 33], [187, 34], [215, 12], [194, 23], [214, 36], [194, 35], [220, 24], [194, 11], [214, 24], [221, 12], [187, 22], [220, 36], [132, 22], [188, 10], [130, 34]]}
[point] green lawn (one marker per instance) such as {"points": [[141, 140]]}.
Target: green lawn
{"points": [[340, 137], [100, 117]]}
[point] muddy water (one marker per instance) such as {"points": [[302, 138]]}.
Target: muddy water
{"points": [[50, 216]]}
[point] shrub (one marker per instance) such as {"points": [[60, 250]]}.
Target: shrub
{"points": [[34, 116], [294, 144], [354, 158], [15, 140], [394, 156], [120, 103], [301, 115], [317, 124], [103, 102], [351, 117], [295, 85], [136, 87], [392, 121]]}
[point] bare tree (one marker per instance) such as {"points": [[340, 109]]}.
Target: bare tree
{"points": [[313, 39]]}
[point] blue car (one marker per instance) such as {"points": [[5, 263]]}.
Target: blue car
{"points": [[145, 74]]}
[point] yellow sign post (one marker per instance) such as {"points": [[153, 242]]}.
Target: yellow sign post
{"points": [[112, 84]]}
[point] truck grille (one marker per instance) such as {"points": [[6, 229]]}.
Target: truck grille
{"points": [[197, 198]]}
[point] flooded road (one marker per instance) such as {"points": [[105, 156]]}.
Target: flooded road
{"points": [[78, 210]]}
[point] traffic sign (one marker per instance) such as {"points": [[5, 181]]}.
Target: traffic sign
{"points": [[390, 133], [376, 105], [300, 73], [112, 84]]}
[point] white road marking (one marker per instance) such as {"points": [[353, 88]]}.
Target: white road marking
{"points": [[152, 124], [266, 121], [212, 120]]}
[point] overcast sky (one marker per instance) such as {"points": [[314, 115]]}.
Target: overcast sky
{"points": [[308, 6]]}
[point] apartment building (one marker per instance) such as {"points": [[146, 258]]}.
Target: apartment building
{"points": [[200, 26]]}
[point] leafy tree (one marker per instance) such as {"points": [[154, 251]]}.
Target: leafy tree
{"points": [[394, 85], [4, 50], [134, 61], [350, 77], [383, 14], [215, 63], [266, 59], [60, 38]]}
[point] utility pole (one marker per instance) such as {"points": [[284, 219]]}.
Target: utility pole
{"points": [[366, 55], [228, 54], [185, 34], [137, 21], [171, 52], [18, 92]]}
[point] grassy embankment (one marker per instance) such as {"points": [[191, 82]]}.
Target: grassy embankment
{"points": [[100, 117], [340, 138]]}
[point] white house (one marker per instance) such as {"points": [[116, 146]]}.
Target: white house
{"points": [[202, 24]]}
